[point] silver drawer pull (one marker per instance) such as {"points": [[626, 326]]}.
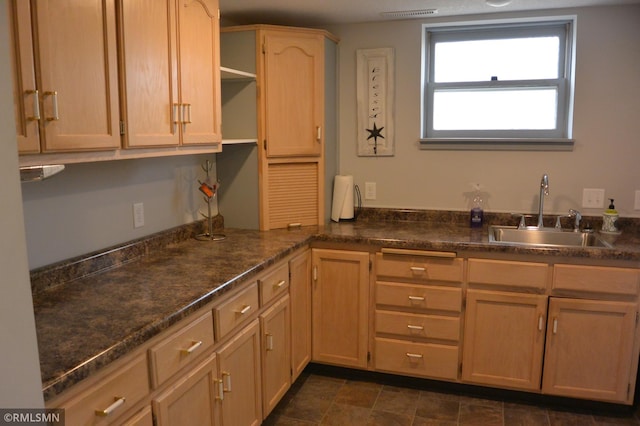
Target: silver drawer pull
{"points": [[119, 402], [244, 310], [418, 269], [36, 105], [269, 342], [220, 396], [54, 100], [414, 356], [416, 298], [228, 376], [415, 327], [192, 348], [279, 284]]}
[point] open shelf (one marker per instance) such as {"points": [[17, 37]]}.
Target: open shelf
{"points": [[233, 74]]}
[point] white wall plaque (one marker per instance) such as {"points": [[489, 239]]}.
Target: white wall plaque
{"points": [[375, 97]]}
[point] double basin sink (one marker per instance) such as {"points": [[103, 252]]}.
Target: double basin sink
{"points": [[545, 237]]}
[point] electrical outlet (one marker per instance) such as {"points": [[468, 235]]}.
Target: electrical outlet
{"points": [[138, 215], [369, 190], [593, 198], [636, 204]]}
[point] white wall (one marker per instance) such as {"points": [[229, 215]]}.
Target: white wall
{"points": [[19, 366], [607, 126], [89, 206]]}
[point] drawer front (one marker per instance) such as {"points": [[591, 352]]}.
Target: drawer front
{"points": [[274, 284], [417, 359], [414, 326], [596, 279], [509, 273], [421, 268], [419, 296], [236, 310], [112, 397], [179, 349]]}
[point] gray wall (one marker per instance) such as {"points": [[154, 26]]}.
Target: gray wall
{"points": [[607, 126], [19, 367]]}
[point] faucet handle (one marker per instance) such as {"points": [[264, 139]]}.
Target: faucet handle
{"points": [[522, 223], [578, 216]]}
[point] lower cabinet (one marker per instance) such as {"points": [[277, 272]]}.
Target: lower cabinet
{"points": [[194, 399], [590, 349], [276, 354], [504, 339], [300, 294], [340, 307], [239, 368]]}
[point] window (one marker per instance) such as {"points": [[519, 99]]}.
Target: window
{"points": [[500, 85]]}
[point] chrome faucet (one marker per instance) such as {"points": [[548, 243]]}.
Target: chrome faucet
{"points": [[576, 214], [544, 190]]}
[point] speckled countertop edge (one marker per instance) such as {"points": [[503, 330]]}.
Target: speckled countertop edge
{"points": [[95, 318]]}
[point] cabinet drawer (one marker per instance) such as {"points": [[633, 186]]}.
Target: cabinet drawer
{"points": [[235, 310], [112, 397], [596, 279], [419, 296], [508, 273], [414, 326], [274, 284], [177, 350], [417, 359], [422, 268]]}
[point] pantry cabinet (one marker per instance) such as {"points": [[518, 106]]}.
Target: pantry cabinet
{"points": [[294, 161], [340, 307], [65, 75], [170, 72]]}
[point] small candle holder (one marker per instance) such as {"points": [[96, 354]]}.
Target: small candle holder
{"points": [[209, 192]]}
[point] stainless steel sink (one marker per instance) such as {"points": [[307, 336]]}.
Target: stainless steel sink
{"points": [[533, 236]]}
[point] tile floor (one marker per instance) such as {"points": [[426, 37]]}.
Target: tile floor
{"points": [[320, 398]]}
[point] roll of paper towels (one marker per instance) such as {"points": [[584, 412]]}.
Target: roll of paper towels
{"points": [[342, 207]]}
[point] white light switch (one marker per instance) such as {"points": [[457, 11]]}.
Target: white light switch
{"points": [[593, 198]]}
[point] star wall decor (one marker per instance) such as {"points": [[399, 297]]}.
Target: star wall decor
{"points": [[375, 101]]}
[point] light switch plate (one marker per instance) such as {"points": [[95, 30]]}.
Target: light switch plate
{"points": [[138, 215], [593, 198], [370, 191]]}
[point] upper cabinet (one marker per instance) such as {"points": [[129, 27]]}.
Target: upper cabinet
{"points": [[292, 67], [171, 72], [65, 75]]}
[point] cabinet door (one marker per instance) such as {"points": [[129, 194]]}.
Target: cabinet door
{"points": [[340, 307], [589, 349], [276, 353], [78, 74], [25, 94], [199, 43], [193, 399], [239, 362], [300, 293], [293, 93], [150, 75], [504, 339]]}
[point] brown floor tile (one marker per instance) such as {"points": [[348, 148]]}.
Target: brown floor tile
{"points": [[343, 414], [616, 421], [360, 394], [562, 418], [321, 387], [398, 400], [420, 421], [307, 408], [433, 408], [481, 415], [386, 418], [525, 415], [286, 421]]}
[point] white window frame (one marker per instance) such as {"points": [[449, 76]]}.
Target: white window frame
{"points": [[559, 138]]}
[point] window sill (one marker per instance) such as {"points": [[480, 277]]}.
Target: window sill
{"points": [[506, 144]]}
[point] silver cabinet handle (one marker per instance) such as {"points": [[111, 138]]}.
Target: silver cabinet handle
{"points": [[418, 269], [415, 327], [119, 402], [318, 133], [186, 113], [36, 105], [414, 356], [228, 377], [555, 326], [54, 100], [244, 310], [269, 345], [177, 113], [540, 323], [192, 348], [416, 298], [220, 396], [279, 284]]}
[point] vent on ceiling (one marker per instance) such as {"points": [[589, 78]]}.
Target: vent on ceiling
{"points": [[410, 13]]}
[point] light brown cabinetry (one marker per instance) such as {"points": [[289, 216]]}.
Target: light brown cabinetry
{"points": [[276, 353], [65, 85], [295, 133], [170, 72], [193, 399], [240, 372], [418, 296], [340, 307], [300, 294]]}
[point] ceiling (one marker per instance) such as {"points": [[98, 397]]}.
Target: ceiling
{"points": [[326, 12]]}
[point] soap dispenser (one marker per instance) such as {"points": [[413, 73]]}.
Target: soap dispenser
{"points": [[476, 214], [610, 218]]}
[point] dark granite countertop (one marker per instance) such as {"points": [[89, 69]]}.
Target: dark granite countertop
{"points": [[88, 322]]}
